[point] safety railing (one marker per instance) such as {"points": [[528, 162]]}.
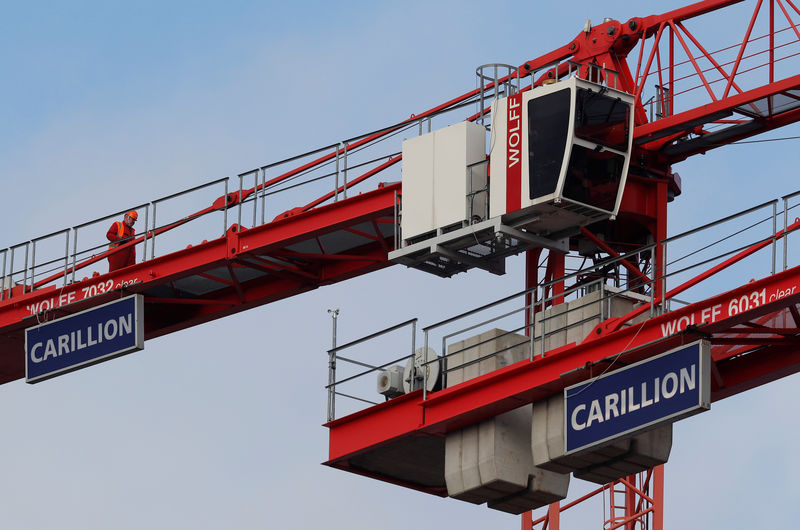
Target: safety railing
{"points": [[494, 80], [658, 106], [352, 381], [726, 250], [754, 242]]}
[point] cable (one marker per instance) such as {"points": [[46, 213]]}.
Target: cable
{"points": [[766, 140]]}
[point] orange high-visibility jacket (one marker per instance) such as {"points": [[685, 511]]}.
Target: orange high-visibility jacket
{"points": [[119, 230]]}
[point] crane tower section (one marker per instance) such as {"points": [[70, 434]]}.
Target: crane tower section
{"points": [[554, 159]]}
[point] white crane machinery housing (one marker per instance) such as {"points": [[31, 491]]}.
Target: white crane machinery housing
{"points": [[558, 160]]}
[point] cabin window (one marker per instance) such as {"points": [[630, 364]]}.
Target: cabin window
{"points": [[548, 126]]}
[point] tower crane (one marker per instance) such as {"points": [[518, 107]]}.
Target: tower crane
{"points": [[704, 99]]}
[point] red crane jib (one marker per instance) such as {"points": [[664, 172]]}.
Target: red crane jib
{"points": [[242, 270]]}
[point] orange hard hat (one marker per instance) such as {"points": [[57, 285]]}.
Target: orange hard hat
{"points": [[133, 215]]}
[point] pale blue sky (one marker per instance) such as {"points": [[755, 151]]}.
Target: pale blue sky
{"points": [[107, 104]]}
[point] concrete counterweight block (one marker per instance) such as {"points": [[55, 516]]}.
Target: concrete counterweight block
{"points": [[553, 323], [583, 315], [586, 312], [544, 487], [483, 354], [460, 453], [459, 354], [647, 450], [651, 448], [503, 473], [573, 321], [503, 461], [491, 461], [547, 440], [602, 464]]}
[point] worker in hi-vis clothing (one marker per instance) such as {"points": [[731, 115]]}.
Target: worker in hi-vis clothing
{"points": [[121, 232]]}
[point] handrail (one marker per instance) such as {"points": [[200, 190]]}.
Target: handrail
{"points": [[618, 323], [333, 357]]}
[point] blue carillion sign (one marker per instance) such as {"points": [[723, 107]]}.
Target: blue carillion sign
{"points": [[84, 338], [662, 389]]}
